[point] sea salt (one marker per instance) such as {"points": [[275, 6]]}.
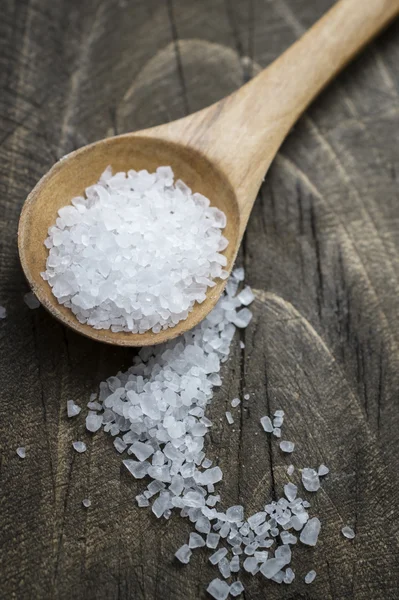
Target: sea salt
{"points": [[86, 502], [217, 556], [229, 418], [218, 589], [287, 446], [79, 447], [309, 577], [348, 532], [290, 470], [196, 540], [157, 409], [266, 424], [235, 402], [137, 252], [183, 554], [72, 409], [31, 301], [310, 532], [212, 540], [323, 470], [310, 480], [21, 451], [236, 589]]}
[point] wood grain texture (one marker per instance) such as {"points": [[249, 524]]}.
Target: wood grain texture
{"points": [[321, 251]]}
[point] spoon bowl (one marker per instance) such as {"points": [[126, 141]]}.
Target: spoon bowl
{"points": [[222, 151], [73, 174]]}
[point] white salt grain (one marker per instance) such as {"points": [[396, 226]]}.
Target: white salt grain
{"points": [[218, 589], [236, 589], [323, 470], [242, 345], [235, 402], [310, 480], [267, 424], [348, 532], [239, 274], [212, 540], [86, 502], [287, 446], [79, 447], [290, 470], [229, 418], [217, 556], [246, 296], [309, 577], [21, 451], [183, 554], [72, 409], [31, 301], [196, 541], [137, 253], [3, 312], [246, 396], [310, 532]]}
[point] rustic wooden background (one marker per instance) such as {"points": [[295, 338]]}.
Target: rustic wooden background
{"points": [[321, 251]]}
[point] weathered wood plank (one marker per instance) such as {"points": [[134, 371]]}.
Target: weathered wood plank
{"points": [[321, 250]]}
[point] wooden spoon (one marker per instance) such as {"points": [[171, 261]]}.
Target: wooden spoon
{"points": [[222, 151]]}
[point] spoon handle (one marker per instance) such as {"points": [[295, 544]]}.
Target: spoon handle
{"points": [[261, 113], [242, 133]]}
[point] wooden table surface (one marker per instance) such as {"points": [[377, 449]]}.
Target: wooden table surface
{"points": [[321, 252]]}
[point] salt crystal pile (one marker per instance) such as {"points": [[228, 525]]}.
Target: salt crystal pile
{"points": [[157, 410], [137, 252]]}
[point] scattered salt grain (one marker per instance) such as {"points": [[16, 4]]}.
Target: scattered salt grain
{"points": [[93, 421], [31, 301], [348, 532], [196, 541], [235, 402], [266, 424], [217, 556], [277, 432], [218, 589], [86, 502], [290, 470], [242, 345], [287, 446], [137, 252], [79, 447], [224, 567], [310, 532], [279, 413], [310, 480], [323, 470], [235, 564], [289, 576], [3, 312], [21, 451], [242, 318], [250, 565], [72, 409], [246, 296], [272, 566], [212, 540], [236, 589], [246, 396], [183, 554], [309, 577], [229, 418], [290, 491], [239, 274]]}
